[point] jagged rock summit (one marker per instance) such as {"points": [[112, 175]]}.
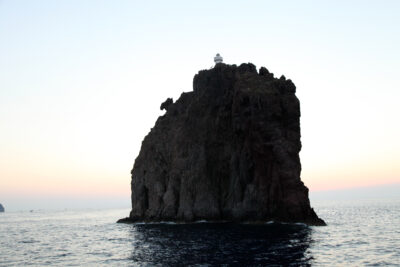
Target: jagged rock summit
{"points": [[227, 151]]}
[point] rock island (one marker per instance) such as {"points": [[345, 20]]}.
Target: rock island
{"points": [[226, 151]]}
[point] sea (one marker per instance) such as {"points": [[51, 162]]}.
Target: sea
{"points": [[359, 233]]}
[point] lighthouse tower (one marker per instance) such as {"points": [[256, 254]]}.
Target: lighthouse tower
{"points": [[218, 59]]}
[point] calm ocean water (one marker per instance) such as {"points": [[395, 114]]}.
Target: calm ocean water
{"points": [[358, 234]]}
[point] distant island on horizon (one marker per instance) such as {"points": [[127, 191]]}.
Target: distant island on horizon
{"points": [[227, 151]]}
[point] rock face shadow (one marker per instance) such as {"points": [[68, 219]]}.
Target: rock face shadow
{"points": [[219, 244]]}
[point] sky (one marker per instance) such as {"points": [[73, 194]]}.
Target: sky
{"points": [[81, 83]]}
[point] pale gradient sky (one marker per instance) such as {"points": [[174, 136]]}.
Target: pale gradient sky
{"points": [[81, 83]]}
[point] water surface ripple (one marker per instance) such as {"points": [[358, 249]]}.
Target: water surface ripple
{"points": [[364, 233]]}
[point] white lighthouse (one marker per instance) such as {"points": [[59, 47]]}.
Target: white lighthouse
{"points": [[218, 59]]}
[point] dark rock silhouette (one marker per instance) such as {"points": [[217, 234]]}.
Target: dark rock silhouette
{"points": [[166, 104], [228, 151], [1, 208]]}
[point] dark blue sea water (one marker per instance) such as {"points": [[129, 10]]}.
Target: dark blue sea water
{"points": [[359, 233]]}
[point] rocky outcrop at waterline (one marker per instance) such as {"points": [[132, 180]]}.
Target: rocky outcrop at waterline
{"points": [[227, 151]]}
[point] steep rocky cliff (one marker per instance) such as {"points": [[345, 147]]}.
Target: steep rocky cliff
{"points": [[227, 151]]}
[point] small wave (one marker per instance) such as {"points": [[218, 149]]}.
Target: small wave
{"points": [[155, 223], [167, 222], [28, 241], [292, 223], [64, 254], [299, 223]]}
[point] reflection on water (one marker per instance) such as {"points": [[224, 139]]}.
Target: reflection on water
{"points": [[215, 244]]}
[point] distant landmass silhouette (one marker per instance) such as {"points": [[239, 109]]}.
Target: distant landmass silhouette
{"points": [[227, 151], [1, 208]]}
